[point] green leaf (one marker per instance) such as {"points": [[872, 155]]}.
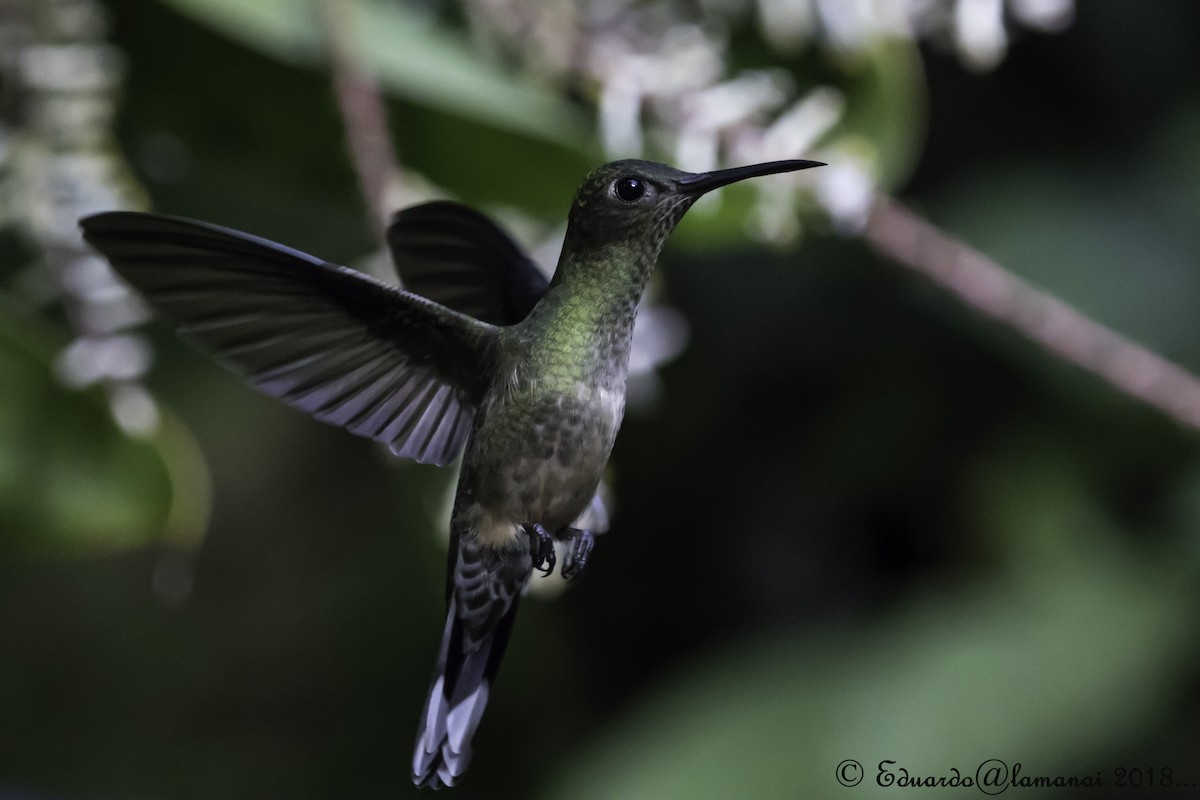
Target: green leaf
{"points": [[1046, 675], [885, 107], [411, 56], [71, 482], [1051, 663]]}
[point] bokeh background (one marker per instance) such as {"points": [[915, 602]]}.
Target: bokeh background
{"points": [[853, 519]]}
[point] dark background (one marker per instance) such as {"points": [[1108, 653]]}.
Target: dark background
{"points": [[862, 522]]}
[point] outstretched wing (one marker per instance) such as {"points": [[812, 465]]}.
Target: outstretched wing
{"points": [[344, 347], [456, 256]]}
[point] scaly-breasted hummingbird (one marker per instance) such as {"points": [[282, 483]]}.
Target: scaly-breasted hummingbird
{"points": [[480, 351]]}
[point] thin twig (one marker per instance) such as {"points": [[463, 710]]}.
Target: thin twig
{"points": [[904, 236], [364, 116]]}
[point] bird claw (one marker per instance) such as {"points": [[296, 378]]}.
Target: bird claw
{"points": [[541, 548], [580, 544]]}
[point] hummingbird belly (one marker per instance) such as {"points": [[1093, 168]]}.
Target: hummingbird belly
{"points": [[538, 458]]}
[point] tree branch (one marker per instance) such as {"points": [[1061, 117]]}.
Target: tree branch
{"points": [[904, 236], [364, 116]]}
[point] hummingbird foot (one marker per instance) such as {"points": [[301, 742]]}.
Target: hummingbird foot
{"points": [[541, 548], [579, 547]]}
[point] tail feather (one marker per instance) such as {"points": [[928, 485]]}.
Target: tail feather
{"points": [[458, 695]]}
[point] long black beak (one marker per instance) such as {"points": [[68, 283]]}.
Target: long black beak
{"points": [[707, 181]]}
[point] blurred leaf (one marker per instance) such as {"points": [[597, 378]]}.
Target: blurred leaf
{"points": [[70, 480], [1008, 667], [1008, 670], [410, 55], [1174, 166], [885, 108], [1033, 507]]}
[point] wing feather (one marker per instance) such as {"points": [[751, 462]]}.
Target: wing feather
{"points": [[459, 258], [325, 339]]}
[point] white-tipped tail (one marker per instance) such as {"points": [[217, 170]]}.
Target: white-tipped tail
{"points": [[457, 698]]}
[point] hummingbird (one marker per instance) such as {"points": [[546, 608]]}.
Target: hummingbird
{"points": [[479, 354]]}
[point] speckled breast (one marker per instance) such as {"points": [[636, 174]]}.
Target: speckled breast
{"points": [[547, 453]]}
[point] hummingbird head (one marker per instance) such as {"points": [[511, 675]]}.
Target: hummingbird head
{"points": [[640, 202]]}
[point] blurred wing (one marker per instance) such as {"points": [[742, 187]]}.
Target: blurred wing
{"points": [[456, 256], [344, 347]]}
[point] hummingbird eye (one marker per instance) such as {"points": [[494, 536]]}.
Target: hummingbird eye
{"points": [[630, 189]]}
